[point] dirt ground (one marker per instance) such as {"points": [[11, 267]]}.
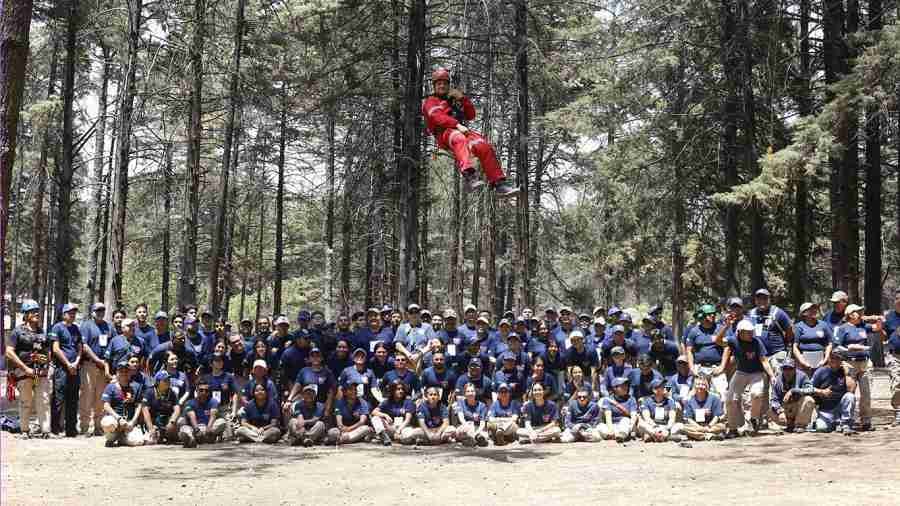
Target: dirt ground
{"points": [[787, 469]]}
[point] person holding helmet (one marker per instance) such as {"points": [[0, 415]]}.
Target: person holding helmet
{"points": [[857, 335], [28, 350], [446, 111], [749, 354], [122, 408]]}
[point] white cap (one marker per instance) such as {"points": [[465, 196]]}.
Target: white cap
{"points": [[839, 296], [745, 325], [852, 308]]}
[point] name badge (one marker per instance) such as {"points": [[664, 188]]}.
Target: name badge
{"points": [[758, 329], [862, 334], [360, 390], [321, 380], [700, 415], [38, 345], [820, 333], [683, 390], [659, 414], [451, 350], [398, 420], [568, 343], [372, 346], [217, 395], [103, 340], [315, 388], [440, 392], [365, 380], [177, 390]]}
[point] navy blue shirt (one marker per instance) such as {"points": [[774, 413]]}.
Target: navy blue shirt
{"points": [[629, 404], [203, 410], [848, 334], [711, 407], [395, 409], [69, 339], [323, 380], [351, 414], [260, 416], [122, 400], [408, 378], [222, 387], [826, 377], [703, 345], [445, 381], [498, 410], [747, 354], [96, 336], [433, 417], [540, 415], [160, 405], [770, 326], [812, 338], [578, 414], [476, 413]]}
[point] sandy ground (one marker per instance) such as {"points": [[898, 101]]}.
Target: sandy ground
{"points": [[787, 469]]}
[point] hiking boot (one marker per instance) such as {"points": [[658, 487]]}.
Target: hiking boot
{"points": [[754, 425], [866, 426], [110, 443], [307, 442], [504, 189], [480, 440], [731, 434], [848, 430], [385, 439], [471, 180], [190, 441]]}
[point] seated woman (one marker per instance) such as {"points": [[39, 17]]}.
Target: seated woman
{"points": [[201, 422], [434, 419], [393, 417], [582, 417], [223, 388], [659, 415], [471, 417], [179, 382], [352, 416], [540, 416], [260, 418], [161, 410], [576, 381], [122, 409], [307, 425], [703, 413], [620, 412], [503, 417]]}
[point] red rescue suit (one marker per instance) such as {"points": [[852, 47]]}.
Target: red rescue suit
{"points": [[440, 122]]}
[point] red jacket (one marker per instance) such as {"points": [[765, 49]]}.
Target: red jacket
{"points": [[438, 117]]}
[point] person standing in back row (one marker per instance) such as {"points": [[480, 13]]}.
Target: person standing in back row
{"points": [[28, 355], [65, 337], [446, 111]]}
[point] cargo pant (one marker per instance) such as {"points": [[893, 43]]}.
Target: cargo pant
{"points": [[356, 435], [254, 435], [34, 398], [118, 433], [740, 382], [698, 432], [406, 436], [206, 434], [645, 428], [503, 430], [65, 402], [315, 432], [892, 361], [543, 434], [797, 413], [581, 432], [619, 430], [90, 406], [859, 370], [468, 434]]}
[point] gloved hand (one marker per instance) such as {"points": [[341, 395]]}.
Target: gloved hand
{"points": [[455, 94]]}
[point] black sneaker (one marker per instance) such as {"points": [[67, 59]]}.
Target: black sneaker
{"points": [[849, 430], [731, 434], [504, 190], [307, 442], [472, 181], [755, 425], [110, 444]]}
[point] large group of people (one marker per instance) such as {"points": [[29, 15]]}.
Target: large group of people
{"points": [[414, 377]]}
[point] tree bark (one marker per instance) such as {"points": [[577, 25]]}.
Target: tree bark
{"points": [[95, 224], [873, 188], [234, 100], [802, 239], [228, 277], [834, 56], [187, 288], [279, 205], [168, 176], [38, 227], [750, 155], [851, 165], [678, 260], [730, 61], [119, 194], [523, 274], [454, 291], [259, 256]]}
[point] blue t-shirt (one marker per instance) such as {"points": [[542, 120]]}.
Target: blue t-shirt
{"points": [[122, 400], [260, 416], [629, 405], [770, 326], [160, 405], [659, 411], [365, 379], [747, 354], [395, 409], [69, 339], [120, 348], [578, 414], [812, 338], [680, 386], [309, 411], [247, 392], [640, 383], [585, 359], [498, 410], [476, 413], [848, 334], [147, 335], [96, 336], [433, 417], [712, 406], [826, 377], [292, 360], [551, 389], [203, 410], [408, 378], [703, 346], [483, 386], [350, 414], [222, 387], [891, 325], [540, 415], [445, 381], [323, 380], [515, 379], [612, 372]]}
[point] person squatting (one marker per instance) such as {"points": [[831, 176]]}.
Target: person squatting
{"points": [[411, 377]]}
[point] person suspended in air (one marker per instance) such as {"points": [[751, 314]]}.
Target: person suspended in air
{"points": [[446, 111]]}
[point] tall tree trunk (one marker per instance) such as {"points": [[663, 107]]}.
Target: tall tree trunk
{"points": [[523, 229], [330, 121], [234, 100], [411, 160], [38, 227], [476, 253], [95, 224], [802, 237], [678, 260], [168, 175], [347, 235], [393, 260], [834, 56], [187, 288], [64, 231], [279, 205], [116, 248], [728, 110], [757, 250], [454, 291], [259, 256], [228, 277], [873, 187], [15, 25], [851, 164], [108, 191], [422, 275]]}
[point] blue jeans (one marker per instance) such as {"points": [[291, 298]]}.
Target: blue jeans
{"points": [[841, 414], [65, 395]]}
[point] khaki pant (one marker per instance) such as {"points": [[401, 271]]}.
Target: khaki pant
{"points": [[653, 429], [34, 397], [254, 435], [892, 361], [206, 434], [356, 435], [581, 433], [90, 406], [619, 430], [740, 382], [316, 432], [797, 413], [432, 437], [859, 370], [697, 432], [503, 430], [468, 434], [543, 434], [119, 433], [405, 436]]}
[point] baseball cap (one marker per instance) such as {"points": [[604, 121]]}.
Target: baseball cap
{"points": [[599, 320], [127, 322], [189, 321], [413, 307], [763, 292], [514, 335], [618, 328], [744, 325], [450, 313], [619, 381], [98, 306], [617, 350], [550, 309], [372, 310], [122, 365], [303, 316], [658, 382], [706, 309], [625, 316], [161, 315], [260, 363], [387, 308], [475, 362], [584, 317], [425, 311], [503, 322], [565, 309], [358, 351], [69, 307], [482, 319], [839, 296], [649, 317], [161, 376], [507, 355], [503, 386], [282, 320], [311, 388], [469, 307], [509, 315], [576, 333], [521, 321], [735, 301], [598, 309], [655, 310], [315, 349], [806, 306], [613, 311], [853, 307]]}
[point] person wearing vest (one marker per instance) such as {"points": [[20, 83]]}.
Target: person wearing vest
{"points": [[28, 349], [774, 327], [446, 111]]}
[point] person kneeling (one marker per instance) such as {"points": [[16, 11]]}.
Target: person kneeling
{"points": [[259, 418], [471, 415], [659, 416], [122, 410], [434, 419], [503, 416], [832, 388], [540, 416], [582, 417], [161, 410], [352, 414], [703, 413], [620, 412], [201, 422], [307, 426], [792, 404]]}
